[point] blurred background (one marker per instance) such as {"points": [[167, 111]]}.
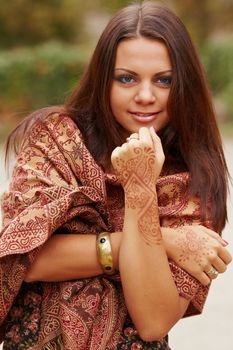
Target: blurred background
{"points": [[44, 48], [45, 45]]}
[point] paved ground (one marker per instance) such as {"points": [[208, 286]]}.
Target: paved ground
{"points": [[214, 329]]}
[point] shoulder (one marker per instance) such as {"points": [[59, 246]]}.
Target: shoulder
{"points": [[51, 121], [47, 116]]}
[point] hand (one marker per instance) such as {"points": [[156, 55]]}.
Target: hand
{"points": [[138, 164], [196, 249], [141, 157]]}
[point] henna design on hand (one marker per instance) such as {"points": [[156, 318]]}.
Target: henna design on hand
{"points": [[142, 163], [137, 176], [193, 247], [149, 225]]}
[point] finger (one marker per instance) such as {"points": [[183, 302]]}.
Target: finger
{"points": [[134, 142], [157, 143], [203, 279], [114, 155], [145, 136], [133, 136], [225, 255], [124, 147], [215, 235], [212, 273], [116, 151], [219, 265]]}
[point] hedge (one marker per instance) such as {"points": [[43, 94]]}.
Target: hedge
{"points": [[39, 76], [218, 61]]}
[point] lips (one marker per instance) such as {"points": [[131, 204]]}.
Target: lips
{"points": [[144, 117]]}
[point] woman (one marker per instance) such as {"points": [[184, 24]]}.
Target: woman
{"points": [[141, 117]]}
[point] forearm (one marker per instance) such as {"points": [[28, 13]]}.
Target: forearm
{"points": [[70, 256], [148, 285]]}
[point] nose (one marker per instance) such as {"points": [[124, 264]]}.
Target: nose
{"points": [[145, 94]]}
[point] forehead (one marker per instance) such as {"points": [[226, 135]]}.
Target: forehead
{"points": [[142, 51]]}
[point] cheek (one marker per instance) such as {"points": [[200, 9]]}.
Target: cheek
{"points": [[117, 99], [165, 97], [113, 98]]}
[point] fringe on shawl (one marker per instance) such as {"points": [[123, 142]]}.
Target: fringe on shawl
{"points": [[55, 344]]}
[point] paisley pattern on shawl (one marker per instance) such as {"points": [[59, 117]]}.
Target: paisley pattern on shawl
{"points": [[58, 187]]}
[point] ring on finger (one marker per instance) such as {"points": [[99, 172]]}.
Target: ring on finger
{"points": [[212, 273], [132, 138]]}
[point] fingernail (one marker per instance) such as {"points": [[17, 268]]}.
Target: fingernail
{"points": [[226, 243], [154, 129]]}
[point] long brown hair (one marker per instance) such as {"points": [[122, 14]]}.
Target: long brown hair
{"points": [[192, 138]]}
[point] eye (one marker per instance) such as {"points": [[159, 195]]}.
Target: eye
{"points": [[165, 81], [125, 78]]}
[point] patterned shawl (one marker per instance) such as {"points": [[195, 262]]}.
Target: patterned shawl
{"points": [[58, 187]]}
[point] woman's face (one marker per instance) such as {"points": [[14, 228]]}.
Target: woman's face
{"points": [[141, 84]]}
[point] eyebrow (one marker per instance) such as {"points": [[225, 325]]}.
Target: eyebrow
{"points": [[132, 72]]}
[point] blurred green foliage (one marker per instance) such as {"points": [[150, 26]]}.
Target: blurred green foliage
{"points": [[44, 47], [29, 22], [218, 58], [205, 18], [38, 76]]}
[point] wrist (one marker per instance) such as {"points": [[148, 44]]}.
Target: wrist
{"points": [[108, 246], [115, 239], [140, 188], [140, 197]]}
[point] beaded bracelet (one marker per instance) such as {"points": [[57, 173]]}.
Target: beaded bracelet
{"points": [[104, 252]]}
